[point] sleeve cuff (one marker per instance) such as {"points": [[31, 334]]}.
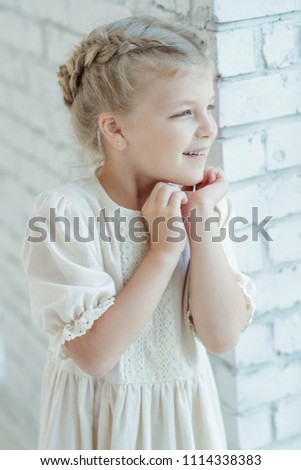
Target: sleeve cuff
{"points": [[79, 327], [250, 304]]}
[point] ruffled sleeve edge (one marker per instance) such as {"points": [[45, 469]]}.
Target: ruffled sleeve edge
{"points": [[250, 304], [79, 327]]}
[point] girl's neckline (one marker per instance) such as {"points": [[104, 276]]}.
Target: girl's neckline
{"points": [[110, 200]]}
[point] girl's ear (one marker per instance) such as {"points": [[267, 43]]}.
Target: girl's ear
{"points": [[110, 128]]}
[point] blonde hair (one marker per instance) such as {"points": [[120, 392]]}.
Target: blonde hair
{"points": [[108, 69]]}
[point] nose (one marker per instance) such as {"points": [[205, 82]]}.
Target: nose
{"points": [[207, 126]]}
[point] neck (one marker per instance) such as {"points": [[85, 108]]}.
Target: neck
{"points": [[124, 188]]}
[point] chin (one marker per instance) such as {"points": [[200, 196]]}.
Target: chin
{"points": [[191, 180]]}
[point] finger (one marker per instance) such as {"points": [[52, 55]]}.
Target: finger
{"points": [[155, 191], [176, 200], [218, 173], [164, 194]]}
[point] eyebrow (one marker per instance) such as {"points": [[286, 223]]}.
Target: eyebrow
{"points": [[192, 101]]}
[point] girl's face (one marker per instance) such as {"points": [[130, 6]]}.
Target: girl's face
{"points": [[173, 116]]}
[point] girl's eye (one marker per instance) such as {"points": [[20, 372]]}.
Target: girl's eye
{"points": [[183, 113], [210, 108]]}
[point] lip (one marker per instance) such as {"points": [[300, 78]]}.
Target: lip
{"points": [[200, 157], [199, 150]]}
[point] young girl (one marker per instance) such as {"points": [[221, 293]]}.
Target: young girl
{"points": [[129, 278]]}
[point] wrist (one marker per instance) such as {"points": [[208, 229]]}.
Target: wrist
{"points": [[164, 257], [202, 223]]}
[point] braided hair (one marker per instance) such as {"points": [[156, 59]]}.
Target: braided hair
{"points": [[108, 69]]}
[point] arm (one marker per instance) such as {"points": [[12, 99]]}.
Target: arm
{"points": [[100, 348], [217, 302]]}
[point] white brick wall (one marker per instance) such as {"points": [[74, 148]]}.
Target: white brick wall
{"points": [[257, 48], [251, 100], [255, 428], [284, 152], [243, 157], [287, 332], [287, 418], [280, 48], [231, 45], [234, 10], [259, 141]]}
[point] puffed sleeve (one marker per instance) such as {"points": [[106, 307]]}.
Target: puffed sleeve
{"points": [[225, 211], [68, 286]]}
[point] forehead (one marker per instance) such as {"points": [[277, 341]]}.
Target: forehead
{"points": [[164, 92]]}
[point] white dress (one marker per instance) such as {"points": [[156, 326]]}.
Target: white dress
{"points": [[161, 394]]}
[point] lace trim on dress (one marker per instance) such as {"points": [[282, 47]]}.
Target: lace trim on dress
{"points": [[154, 355], [79, 326], [250, 306]]}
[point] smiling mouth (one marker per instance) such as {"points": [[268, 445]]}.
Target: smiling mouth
{"points": [[196, 156], [196, 152]]}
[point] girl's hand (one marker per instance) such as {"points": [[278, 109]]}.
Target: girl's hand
{"points": [[162, 212], [208, 192]]}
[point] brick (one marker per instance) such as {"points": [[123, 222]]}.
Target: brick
{"points": [[260, 98], [248, 252], [234, 10], [56, 11], [36, 176], [286, 246], [275, 195], [287, 418], [246, 354], [287, 333], [21, 33], [197, 13], [42, 83], [33, 145], [243, 157], [25, 108], [8, 245], [248, 200], [267, 384], [283, 146], [80, 16], [9, 3], [85, 16], [9, 163], [201, 13], [278, 289], [280, 47], [43, 87], [255, 429], [288, 444], [283, 194], [59, 44], [12, 67], [230, 45]]}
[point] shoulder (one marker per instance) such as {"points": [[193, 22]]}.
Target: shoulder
{"points": [[76, 197]]}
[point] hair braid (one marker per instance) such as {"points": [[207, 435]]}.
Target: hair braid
{"points": [[103, 48]]}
